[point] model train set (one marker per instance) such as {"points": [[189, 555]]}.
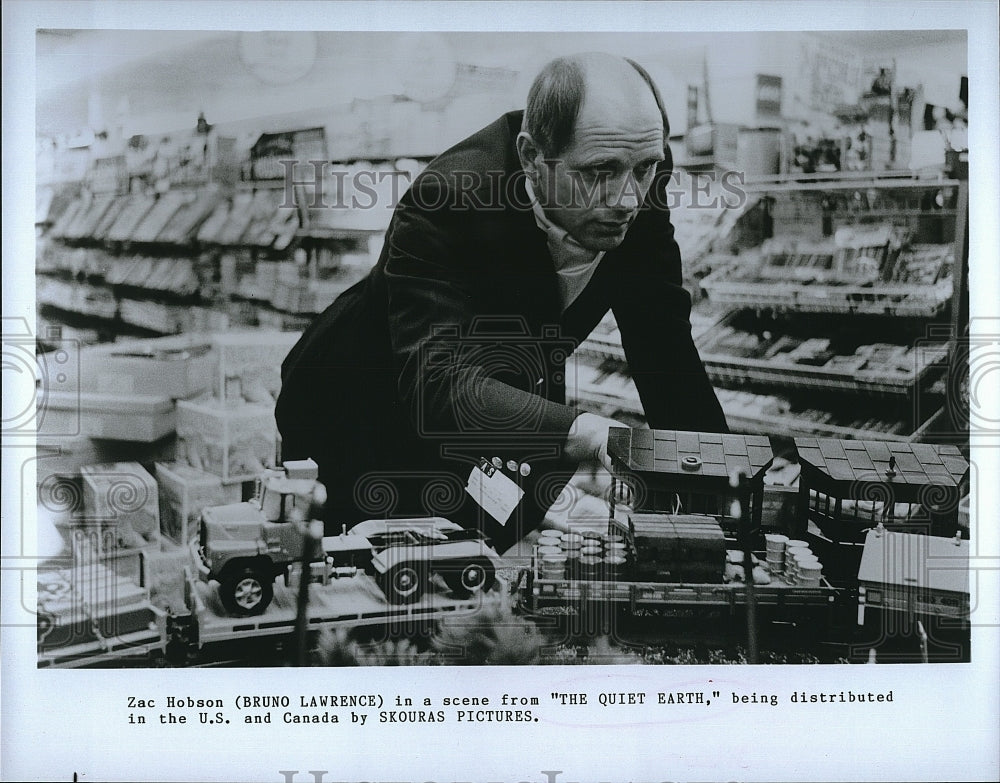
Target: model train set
{"points": [[874, 527]]}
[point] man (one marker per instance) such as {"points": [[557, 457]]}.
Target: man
{"points": [[504, 253]]}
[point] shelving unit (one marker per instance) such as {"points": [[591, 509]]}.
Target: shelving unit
{"points": [[188, 261], [833, 327]]}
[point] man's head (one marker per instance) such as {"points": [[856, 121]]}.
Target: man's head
{"points": [[594, 130]]}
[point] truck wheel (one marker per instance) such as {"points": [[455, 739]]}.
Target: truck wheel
{"points": [[478, 575], [403, 583], [246, 591]]}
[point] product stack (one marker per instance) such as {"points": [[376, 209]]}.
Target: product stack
{"points": [[195, 411], [231, 433]]}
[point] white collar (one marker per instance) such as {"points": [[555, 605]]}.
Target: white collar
{"points": [[556, 234]]}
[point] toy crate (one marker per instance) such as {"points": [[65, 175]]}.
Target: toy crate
{"points": [[90, 545], [139, 417], [913, 573], [184, 492], [232, 441], [89, 603], [121, 500], [250, 364], [678, 548]]}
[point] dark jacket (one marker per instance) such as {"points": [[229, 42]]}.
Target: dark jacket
{"points": [[455, 347]]}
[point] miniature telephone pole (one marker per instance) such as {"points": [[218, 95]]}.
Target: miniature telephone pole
{"points": [[742, 511], [311, 551]]}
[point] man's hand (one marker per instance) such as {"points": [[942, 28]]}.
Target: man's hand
{"points": [[587, 441]]}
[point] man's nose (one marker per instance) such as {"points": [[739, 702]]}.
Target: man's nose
{"points": [[623, 195]]}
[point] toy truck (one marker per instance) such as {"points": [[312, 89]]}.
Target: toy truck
{"points": [[246, 546]]}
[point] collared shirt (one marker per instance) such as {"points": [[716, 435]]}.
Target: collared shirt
{"points": [[574, 263]]}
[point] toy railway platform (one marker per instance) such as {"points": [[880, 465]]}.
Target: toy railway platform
{"points": [[139, 644], [347, 602], [545, 593]]}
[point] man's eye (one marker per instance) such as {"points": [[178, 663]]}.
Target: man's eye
{"points": [[643, 170], [600, 172]]}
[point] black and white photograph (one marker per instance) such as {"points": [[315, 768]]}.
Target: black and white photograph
{"points": [[450, 397]]}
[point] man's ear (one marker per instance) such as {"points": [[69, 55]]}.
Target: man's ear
{"points": [[529, 154]]}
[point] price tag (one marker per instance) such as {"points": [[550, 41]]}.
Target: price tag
{"points": [[493, 491]]}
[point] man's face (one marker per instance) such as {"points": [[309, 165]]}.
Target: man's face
{"points": [[594, 188]]}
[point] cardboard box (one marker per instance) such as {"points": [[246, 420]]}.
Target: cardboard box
{"points": [[121, 502], [136, 417], [184, 492], [249, 364], [231, 440], [175, 367]]}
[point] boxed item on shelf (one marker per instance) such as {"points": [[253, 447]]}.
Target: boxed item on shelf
{"points": [[64, 221], [249, 364], [134, 417], [266, 278], [864, 269], [87, 218], [738, 351], [184, 492], [259, 231], [121, 500], [166, 206], [231, 440], [209, 230], [206, 319], [176, 367], [135, 210], [231, 232], [155, 316], [103, 226], [195, 208], [96, 301]]}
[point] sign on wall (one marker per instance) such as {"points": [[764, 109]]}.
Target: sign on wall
{"points": [[768, 96]]}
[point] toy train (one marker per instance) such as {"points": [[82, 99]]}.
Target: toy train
{"points": [[672, 538]]}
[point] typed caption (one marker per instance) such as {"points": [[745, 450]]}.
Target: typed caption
{"points": [[370, 708]]}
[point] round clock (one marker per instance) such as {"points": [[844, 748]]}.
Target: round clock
{"points": [[278, 57]]}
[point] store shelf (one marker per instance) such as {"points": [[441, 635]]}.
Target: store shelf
{"points": [[916, 281], [735, 355], [845, 180], [77, 298], [916, 301], [779, 415]]}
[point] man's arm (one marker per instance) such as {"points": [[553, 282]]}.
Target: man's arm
{"points": [[432, 283], [653, 310]]}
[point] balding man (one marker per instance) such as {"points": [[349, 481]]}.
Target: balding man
{"points": [[503, 255]]}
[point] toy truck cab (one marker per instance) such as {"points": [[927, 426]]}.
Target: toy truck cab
{"points": [[245, 546]]}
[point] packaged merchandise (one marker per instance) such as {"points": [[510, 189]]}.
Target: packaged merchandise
{"points": [[231, 440]]}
